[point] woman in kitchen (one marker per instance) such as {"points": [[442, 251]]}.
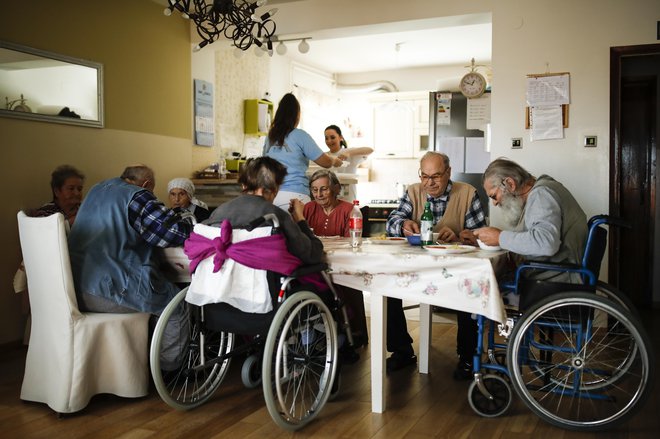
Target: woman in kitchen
{"points": [[327, 215], [352, 156], [294, 148]]}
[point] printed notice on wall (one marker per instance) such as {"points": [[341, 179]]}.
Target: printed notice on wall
{"points": [[443, 109], [203, 113], [546, 123], [546, 90], [478, 112]]}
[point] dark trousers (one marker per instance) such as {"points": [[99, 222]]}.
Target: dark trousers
{"points": [[466, 336], [398, 339]]}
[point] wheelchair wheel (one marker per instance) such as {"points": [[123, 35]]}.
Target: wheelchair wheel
{"points": [[251, 371], [300, 360], [195, 377], [498, 399], [580, 361], [617, 296]]}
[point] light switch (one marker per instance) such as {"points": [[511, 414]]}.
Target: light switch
{"points": [[516, 143], [590, 141]]}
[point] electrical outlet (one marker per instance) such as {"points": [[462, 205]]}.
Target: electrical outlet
{"points": [[590, 141], [516, 143]]}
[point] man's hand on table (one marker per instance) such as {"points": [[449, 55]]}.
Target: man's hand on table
{"points": [[488, 235], [409, 227]]}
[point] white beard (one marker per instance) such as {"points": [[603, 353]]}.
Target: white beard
{"points": [[512, 209]]}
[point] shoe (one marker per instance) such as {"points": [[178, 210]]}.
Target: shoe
{"points": [[463, 371], [399, 361]]}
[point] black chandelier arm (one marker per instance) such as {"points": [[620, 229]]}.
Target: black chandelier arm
{"points": [[236, 20]]}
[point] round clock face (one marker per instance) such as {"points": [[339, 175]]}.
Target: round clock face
{"points": [[473, 85]]}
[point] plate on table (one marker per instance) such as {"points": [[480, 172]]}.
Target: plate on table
{"points": [[449, 249], [390, 240]]}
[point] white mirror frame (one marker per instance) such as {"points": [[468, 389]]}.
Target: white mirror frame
{"points": [[96, 123]]}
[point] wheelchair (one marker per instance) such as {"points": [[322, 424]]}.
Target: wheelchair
{"points": [[576, 354], [291, 351]]}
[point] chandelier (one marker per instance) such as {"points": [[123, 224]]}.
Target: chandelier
{"points": [[236, 20]]}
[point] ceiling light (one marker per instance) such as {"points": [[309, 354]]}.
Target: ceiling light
{"points": [[303, 47], [235, 20], [281, 48]]}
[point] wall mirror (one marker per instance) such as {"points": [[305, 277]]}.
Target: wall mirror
{"points": [[49, 87]]}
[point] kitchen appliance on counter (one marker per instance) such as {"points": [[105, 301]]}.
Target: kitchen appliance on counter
{"points": [[379, 210]]}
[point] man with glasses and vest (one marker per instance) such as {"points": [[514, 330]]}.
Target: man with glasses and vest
{"points": [[456, 211]]}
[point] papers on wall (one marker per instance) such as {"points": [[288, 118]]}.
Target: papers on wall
{"points": [[476, 156], [478, 112], [204, 131], [443, 109], [454, 147], [543, 90], [546, 123], [546, 94]]}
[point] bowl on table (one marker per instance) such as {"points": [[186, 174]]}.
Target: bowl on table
{"points": [[416, 238], [488, 247]]}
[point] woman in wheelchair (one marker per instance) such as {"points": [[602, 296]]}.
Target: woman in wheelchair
{"points": [[293, 340]]}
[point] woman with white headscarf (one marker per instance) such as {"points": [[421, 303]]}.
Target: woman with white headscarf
{"points": [[181, 192]]}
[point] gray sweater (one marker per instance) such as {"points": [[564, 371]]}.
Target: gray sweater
{"points": [[300, 240], [553, 228]]}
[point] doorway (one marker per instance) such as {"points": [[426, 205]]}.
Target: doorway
{"points": [[634, 255]]}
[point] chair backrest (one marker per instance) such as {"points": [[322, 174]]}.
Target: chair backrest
{"points": [[595, 249], [50, 283]]}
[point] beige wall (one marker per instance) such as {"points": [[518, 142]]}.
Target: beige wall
{"points": [[148, 96]]}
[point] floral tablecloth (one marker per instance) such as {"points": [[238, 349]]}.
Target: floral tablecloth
{"points": [[464, 282]]}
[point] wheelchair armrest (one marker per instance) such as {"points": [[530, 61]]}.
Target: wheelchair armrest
{"points": [[545, 265], [304, 270]]}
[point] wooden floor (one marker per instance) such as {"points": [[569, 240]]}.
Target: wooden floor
{"points": [[418, 406]]}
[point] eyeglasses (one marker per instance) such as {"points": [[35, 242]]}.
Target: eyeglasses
{"points": [[435, 177], [316, 190], [493, 196]]}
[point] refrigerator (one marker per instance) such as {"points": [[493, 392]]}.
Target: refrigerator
{"points": [[459, 129]]}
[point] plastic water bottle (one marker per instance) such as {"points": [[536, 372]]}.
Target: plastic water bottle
{"points": [[426, 225], [355, 225]]}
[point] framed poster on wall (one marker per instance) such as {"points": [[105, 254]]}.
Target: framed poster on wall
{"points": [[204, 131]]}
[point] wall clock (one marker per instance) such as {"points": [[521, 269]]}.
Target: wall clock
{"points": [[473, 84]]}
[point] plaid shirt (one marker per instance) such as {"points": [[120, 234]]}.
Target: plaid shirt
{"points": [[156, 224], [474, 217]]}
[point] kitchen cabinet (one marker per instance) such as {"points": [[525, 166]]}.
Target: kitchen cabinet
{"points": [[215, 191], [258, 115], [400, 125]]}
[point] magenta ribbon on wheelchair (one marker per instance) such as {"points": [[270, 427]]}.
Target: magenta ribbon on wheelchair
{"points": [[264, 253]]}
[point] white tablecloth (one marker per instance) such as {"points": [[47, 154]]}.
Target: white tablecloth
{"points": [[464, 282]]}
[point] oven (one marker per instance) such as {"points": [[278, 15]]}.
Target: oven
{"points": [[379, 210]]}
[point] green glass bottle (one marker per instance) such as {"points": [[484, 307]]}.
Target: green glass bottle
{"points": [[426, 225]]}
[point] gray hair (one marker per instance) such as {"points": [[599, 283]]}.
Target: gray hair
{"points": [[137, 174], [502, 168], [335, 186], [436, 155]]}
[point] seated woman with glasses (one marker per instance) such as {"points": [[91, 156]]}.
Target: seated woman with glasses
{"points": [[328, 216], [456, 211]]}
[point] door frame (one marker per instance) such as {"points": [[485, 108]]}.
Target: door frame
{"points": [[616, 56]]}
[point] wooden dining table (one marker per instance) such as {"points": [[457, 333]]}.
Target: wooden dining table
{"points": [[450, 276]]}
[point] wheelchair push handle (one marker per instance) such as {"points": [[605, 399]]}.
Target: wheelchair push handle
{"points": [[608, 219], [262, 220]]}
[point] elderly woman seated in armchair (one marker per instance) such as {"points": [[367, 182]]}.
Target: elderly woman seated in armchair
{"points": [[327, 215]]}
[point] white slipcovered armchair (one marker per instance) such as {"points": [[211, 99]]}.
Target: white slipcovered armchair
{"points": [[73, 356]]}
